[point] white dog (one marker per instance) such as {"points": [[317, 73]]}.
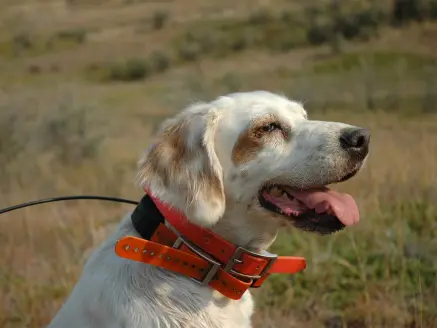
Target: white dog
{"points": [[239, 167]]}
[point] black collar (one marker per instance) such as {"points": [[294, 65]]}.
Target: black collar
{"points": [[146, 217]]}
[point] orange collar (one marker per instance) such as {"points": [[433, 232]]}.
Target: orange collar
{"points": [[198, 253]]}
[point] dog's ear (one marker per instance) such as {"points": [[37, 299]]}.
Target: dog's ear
{"points": [[182, 169]]}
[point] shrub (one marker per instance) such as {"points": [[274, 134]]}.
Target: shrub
{"points": [[430, 96], [21, 42], [239, 44], [433, 9], [404, 11], [361, 24], [34, 69], [159, 19], [132, 70], [364, 23], [77, 35], [317, 33], [189, 51], [10, 145], [71, 134], [62, 131], [287, 17], [159, 61], [260, 17]]}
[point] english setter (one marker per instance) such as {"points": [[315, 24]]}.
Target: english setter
{"points": [[241, 167]]}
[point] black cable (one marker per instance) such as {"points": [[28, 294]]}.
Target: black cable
{"points": [[57, 199]]}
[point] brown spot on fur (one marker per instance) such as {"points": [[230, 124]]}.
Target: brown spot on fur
{"points": [[168, 154], [176, 164], [252, 140], [175, 141], [153, 165]]}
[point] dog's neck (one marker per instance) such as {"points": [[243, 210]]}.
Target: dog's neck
{"points": [[252, 238], [245, 227]]}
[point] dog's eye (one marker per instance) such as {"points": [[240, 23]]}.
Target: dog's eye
{"points": [[271, 127]]}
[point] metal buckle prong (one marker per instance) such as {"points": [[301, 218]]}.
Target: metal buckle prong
{"points": [[236, 259], [214, 264]]}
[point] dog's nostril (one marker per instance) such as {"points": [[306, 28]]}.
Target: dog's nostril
{"points": [[360, 141], [355, 138]]}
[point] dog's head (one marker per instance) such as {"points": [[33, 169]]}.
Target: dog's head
{"points": [[256, 155]]}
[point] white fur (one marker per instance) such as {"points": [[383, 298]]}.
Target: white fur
{"points": [[114, 292]]}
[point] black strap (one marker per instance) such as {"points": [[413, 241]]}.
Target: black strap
{"points": [[146, 218]]}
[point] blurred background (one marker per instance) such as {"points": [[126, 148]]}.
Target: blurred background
{"points": [[84, 84]]}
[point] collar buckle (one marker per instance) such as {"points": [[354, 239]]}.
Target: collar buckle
{"points": [[236, 259], [215, 266]]}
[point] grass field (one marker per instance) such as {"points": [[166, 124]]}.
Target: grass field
{"points": [[83, 87]]}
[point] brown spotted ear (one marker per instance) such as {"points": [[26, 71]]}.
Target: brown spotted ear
{"points": [[182, 169]]}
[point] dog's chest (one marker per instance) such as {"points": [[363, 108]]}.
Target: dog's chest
{"points": [[189, 308], [135, 295]]}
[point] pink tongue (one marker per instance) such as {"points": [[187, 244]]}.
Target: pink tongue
{"points": [[322, 200]]}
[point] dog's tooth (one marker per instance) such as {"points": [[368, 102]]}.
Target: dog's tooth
{"points": [[276, 191], [291, 197]]}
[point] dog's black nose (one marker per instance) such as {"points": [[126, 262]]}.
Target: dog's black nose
{"points": [[355, 141]]}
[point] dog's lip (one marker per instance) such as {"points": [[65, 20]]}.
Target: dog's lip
{"points": [[349, 175], [343, 178]]}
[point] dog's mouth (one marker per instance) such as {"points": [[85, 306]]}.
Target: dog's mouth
{"points": [[321, 210]]}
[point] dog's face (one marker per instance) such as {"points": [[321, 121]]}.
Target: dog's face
{"points": [[256, 150]]}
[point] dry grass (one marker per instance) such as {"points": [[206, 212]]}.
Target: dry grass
{"points": [[63, 133]]}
